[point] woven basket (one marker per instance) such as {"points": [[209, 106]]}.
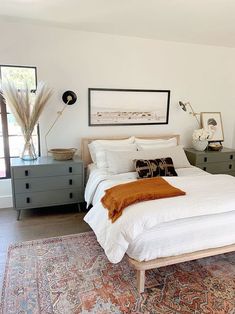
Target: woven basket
{"points": [[62, 153], [215, 147]]}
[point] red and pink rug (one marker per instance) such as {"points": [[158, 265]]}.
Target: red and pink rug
{"points": [[71, 275]]}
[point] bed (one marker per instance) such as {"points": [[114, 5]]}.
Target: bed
{"points": [[162, 232]]}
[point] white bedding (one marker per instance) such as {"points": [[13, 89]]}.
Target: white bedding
{"points": [[97, 177], [184, 236], [169, 226]]}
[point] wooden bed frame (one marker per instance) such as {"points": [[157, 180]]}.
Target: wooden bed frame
{"points": [[141, 267]]}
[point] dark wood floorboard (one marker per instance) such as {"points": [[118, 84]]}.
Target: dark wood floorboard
{"points": [[37, 224]]}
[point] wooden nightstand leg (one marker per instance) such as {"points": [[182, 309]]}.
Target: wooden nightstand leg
{"points": [[79, 207], [18, 214]]}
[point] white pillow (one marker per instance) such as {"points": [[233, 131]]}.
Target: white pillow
{"points": [[160, 141], [97, 144], [145, 146], [121, 162], [101, 159], [92, 152]]}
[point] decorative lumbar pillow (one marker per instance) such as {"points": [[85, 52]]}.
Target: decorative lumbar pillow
{"points": [[162, 167]]}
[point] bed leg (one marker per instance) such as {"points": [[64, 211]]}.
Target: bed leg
{"points": [[140, 280]]}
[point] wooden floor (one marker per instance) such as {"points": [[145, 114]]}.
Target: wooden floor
{"points": [[37, 224]]}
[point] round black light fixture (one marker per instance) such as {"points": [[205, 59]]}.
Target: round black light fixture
{"points": [[69, 97]]}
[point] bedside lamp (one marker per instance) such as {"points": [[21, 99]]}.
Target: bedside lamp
{"points": [[69, 98], [192, 112]]}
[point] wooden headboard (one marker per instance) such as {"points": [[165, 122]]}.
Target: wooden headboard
{"points": [[85, 154]]}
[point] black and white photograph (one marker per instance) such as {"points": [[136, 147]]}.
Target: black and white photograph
{"points": [[212, 122], [128, 106]]}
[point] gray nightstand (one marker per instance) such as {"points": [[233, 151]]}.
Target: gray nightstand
{"points": [[46, 182], [214, 162]]}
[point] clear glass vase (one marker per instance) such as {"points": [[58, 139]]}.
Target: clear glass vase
{"points": [[28, 152]]}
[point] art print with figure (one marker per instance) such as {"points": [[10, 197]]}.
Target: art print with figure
{"points": [[212, 122], [128, 106]]}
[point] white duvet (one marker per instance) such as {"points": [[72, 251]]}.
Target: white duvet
{"points": [[99, 179], [205, 195]]}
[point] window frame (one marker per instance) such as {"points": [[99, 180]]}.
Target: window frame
{"points": [[5, 132]]}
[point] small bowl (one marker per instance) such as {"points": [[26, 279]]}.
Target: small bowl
{"points": [[215, 147], [62, 153]]}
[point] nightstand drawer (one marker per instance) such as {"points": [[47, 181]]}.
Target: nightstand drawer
{"points": [[51, 183], [218, 167], [47, 170], [214, 157], [48, 198]]}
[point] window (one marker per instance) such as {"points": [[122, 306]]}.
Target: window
{"points": [[11, 138]]}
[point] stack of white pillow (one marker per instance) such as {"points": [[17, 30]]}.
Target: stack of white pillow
{"points": [[117, 155]]}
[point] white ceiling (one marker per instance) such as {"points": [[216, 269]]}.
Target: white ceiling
{"points": [[209, 22]]}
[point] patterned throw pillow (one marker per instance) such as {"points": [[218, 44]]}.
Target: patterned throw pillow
{"points": [[155, 168]]}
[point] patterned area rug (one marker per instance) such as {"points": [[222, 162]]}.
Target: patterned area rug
{"points": [[71, 275]]}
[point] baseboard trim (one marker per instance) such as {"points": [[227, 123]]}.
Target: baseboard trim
{"points": [[6, 201]]}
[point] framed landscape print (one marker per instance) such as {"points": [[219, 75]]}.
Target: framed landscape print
{"points": [[212, 122], [128, 106]]}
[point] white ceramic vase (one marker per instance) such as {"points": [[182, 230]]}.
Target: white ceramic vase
{"points": [[200, 145]]}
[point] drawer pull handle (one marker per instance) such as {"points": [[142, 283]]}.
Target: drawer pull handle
{"points": [[205, 159], [231, 156], [70, 195], [26, 185], [204, 168], [230, 166], [26, 172], [70, 169], [28, 200], [70, 182]]}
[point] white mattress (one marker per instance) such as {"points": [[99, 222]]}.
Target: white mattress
{"points": [[203, 218]]}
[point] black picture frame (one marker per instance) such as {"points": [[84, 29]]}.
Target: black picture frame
{"points": [[105, 106]]}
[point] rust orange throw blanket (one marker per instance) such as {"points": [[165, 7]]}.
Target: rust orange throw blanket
{"points": [[123, 195]]}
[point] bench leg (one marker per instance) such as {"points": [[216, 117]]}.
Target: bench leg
{"points": [[140, 280]]}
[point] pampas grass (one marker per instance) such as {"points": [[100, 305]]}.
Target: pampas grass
{"points": [[25, 109]]}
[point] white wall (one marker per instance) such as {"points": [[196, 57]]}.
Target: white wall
{"points": [[5, 194], [69, 59]]}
